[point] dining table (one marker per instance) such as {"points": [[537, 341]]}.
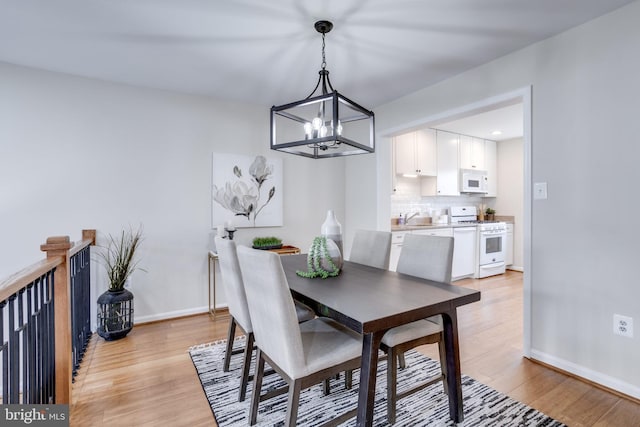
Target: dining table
{"points": [[371, 301]]}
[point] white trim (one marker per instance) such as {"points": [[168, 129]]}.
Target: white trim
{"points": [[588, 374], [174, 314]]}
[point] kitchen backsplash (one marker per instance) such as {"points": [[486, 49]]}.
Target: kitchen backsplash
{"points": [[407, 200]]}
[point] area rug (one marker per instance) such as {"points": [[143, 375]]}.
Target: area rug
{"points": [[483, 406]]}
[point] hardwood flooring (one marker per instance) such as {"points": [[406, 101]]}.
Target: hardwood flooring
{"points": [[147, 378]]}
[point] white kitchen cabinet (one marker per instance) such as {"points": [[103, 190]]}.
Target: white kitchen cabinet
{"points": [[491, 166], [448, 232], [464, 252], [472, 153], [508, 256], [447, 164], [397, 237], [415, 153]]}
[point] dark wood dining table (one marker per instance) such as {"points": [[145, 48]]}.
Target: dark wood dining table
{"points": [[371, 301]]}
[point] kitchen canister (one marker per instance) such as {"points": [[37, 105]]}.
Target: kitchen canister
{"points": [[331, 229]]}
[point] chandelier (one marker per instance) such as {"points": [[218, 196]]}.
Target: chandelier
{"points": [[325, 123]]}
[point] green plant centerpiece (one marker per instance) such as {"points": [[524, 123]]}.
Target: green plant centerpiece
{"points": [[324, 259], [115, 306], [267, 243]]}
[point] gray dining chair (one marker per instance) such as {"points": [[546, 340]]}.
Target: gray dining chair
{"points": [[427, 257], [239, 311], [304, 354], [371, 248]]}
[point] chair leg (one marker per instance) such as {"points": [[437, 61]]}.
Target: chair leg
{"points": [[257, 385], [348, 379], [246, 365], [293, 400], [443, 364], [401, 361], [230, 337], [392, 372], [326, 386]]}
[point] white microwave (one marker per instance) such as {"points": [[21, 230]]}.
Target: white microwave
{"points": [[473, 181]]}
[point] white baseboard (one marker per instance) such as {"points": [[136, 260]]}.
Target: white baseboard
{"points": [[588, 374], [515, 268], [174, 314]]}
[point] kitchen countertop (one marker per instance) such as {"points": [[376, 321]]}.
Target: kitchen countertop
{"points": [[507, 219]]}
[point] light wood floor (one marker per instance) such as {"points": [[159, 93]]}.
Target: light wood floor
{"points": [[147, 378]]}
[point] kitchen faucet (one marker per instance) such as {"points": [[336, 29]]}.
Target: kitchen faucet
{"points": [[408, 217]]}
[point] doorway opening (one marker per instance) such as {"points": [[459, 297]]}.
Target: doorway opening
{"points": [[518, 100]]}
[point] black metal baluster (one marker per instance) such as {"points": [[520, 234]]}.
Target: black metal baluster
{"points": [[4, 349], [32, 346], [14, 354]]}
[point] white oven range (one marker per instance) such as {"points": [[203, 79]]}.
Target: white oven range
{"points": [[491, 248], [492, 237]]}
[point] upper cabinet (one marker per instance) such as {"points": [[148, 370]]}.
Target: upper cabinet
{"points": [[472, 153], [491, 166], [415, 153], [448, 176]]}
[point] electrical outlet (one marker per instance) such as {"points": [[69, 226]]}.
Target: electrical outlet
{"points": [[623, 325]]}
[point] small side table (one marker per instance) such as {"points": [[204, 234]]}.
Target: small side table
{"points": [[286, 250], [213, 259]]}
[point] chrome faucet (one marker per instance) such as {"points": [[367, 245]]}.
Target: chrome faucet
{"points": [[408, 217]]}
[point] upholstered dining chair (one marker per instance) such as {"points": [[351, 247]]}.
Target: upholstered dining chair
{"points": [[304, 354], [427, 257], [371, 248], [239, 311]]}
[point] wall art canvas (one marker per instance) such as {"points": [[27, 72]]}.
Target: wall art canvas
{"points": [[246, 191]]}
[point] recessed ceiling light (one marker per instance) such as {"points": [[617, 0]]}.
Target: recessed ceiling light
{"points": [[496, 132]]}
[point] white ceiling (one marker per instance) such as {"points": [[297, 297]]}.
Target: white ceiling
{"points": [[508, 120], [268, 52]]}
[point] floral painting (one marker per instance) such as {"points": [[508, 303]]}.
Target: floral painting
{"points": [[246, 191]]}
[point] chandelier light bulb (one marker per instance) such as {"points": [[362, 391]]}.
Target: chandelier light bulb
{"points": [[307, 130], [323, 131], [316, 123]]}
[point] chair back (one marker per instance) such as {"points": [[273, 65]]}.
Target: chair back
{"points": [[371, 248], [273, 315], [427, 257], [232, 282]]}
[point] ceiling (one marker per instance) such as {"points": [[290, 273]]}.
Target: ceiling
{"points": [[267, 52], [507, 120]]}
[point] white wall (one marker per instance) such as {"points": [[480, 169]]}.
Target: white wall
{"points": [[510, 191], [78, 153], [585, 91]]}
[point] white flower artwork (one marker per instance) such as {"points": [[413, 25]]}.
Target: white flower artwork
{"points": [[246, 191]]}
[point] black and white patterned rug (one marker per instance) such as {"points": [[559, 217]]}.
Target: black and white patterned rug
{"points": [[483, 406]]}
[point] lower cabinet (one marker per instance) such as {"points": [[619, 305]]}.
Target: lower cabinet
{"points": [[464, 252], [508, 255], [397, 237]]}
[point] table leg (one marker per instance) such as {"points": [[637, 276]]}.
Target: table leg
{"points": [[454, 381], [368, 371]]}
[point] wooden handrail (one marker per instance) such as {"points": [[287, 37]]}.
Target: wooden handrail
{"points": [[88, 239], [22, 278]]}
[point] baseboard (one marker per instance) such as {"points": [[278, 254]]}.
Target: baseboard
{"points": [[515, 268], [175, 314], [613, 384]]}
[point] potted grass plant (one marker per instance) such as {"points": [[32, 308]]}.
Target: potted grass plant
{"points": [[115, 306]]}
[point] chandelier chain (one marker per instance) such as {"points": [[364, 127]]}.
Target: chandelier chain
{"points": [[324, 60]]}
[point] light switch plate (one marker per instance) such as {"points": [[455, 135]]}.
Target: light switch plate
{"points": [[540, 190]]}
